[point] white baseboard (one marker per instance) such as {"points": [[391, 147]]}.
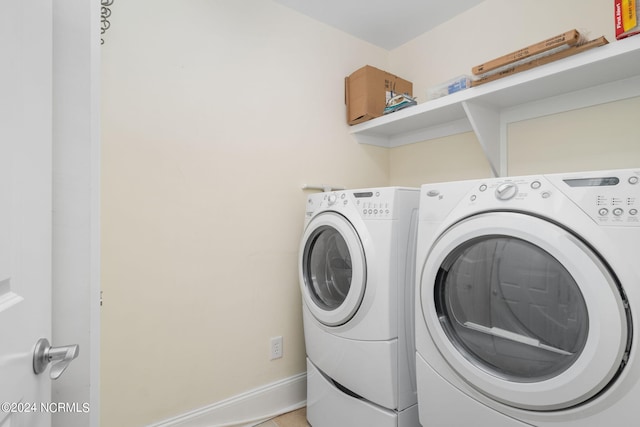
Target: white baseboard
{"points": [[247, 409]]}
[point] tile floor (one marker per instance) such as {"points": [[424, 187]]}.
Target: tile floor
{"points": [[296, 418]]}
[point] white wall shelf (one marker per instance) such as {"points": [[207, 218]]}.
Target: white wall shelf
{"points": [[603, 74]]}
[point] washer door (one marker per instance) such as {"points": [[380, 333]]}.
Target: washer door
{"points": [[332, 268], [524, 311]]}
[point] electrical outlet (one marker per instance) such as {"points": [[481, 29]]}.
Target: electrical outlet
{"points": [[276, 348]]}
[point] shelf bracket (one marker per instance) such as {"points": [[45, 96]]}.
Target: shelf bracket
{"points": [[491, 134]]}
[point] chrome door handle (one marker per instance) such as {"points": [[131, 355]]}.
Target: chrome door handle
{"points": [[60, 357]]}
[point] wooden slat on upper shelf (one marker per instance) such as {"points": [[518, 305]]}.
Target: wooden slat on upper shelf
{"points": [[616, 61], [573, 50], [568, 38]]}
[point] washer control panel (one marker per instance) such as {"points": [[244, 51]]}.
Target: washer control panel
{"points": [[369, 203], [373, 204]]}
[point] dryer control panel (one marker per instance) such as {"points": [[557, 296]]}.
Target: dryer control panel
{"points": [[608, 198]]}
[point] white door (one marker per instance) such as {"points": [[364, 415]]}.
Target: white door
{"points": [[25, 208]]}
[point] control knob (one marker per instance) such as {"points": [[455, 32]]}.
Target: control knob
{"points": [[506, 191]]}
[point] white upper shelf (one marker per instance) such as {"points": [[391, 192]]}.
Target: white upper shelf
{"points": [[617, 61]]}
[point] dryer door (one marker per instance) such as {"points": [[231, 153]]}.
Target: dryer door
{"points": [[524, 311], [332, 269]]}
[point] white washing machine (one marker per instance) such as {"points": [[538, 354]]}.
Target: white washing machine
{"points": [[357, 267], [528, 294]]}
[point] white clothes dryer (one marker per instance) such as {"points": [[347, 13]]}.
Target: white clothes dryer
{"points": [[528, 290], [356, 268]]}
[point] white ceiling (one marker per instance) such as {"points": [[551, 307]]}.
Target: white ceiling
{"points": [[385, 23]]}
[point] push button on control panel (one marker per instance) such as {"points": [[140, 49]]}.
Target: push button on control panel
{"points": [[615, 201], [375, 209]]}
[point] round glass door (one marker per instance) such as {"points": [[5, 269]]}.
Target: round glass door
{"points": [[511, 308], [328, 268], [332, 269], [523, 311]]}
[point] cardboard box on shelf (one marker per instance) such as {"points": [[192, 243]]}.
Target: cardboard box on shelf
{"points": [[367, 91], [627, 18]]}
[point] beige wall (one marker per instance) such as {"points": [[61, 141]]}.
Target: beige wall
{"points": [[212, 120], [444, 159], [593, 138]]}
